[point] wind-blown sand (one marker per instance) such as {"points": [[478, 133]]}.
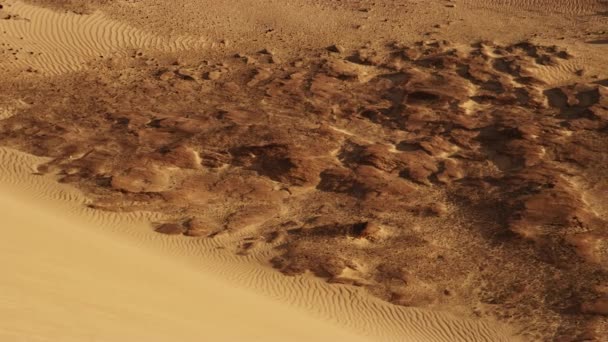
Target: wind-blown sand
{"points": [[447, 156], [49, 42], [101, 276], [64, 279]]}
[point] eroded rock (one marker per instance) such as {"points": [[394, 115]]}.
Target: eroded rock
{"points": [[428, 174]]}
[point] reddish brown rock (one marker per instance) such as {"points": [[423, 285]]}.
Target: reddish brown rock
{"points": [[198, 226], [367, 230], [180, 156], [416, 168], [419, 166], [140, 179], [259, 75], [379, 157], [452, 171], [170, 229], [597, 307]]}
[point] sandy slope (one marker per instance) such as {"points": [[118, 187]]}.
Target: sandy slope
{"points": [[65, 280], [135, 284], [99, 276], [86, 275]]}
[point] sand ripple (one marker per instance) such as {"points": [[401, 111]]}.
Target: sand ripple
{"points": [[345, 306], [52, 42]]}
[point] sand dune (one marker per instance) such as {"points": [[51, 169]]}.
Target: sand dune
{"points": [[447, 156], [137, 279], [42, 40], [65, 280]]}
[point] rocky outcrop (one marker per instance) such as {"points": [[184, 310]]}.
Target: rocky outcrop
{"points": [[428, 174]]}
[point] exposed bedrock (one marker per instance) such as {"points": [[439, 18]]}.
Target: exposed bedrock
{"points": [[432, 175]]}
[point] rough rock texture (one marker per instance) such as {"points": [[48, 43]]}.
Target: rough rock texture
{"points": [[431, 175]]}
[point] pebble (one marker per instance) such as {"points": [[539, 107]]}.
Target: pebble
{"points": [[170, 229], [213, 75], [336, 48]]}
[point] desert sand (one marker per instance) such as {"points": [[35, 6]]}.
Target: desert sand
{"points": [[66, 279], [103, 276], [304, 170]]}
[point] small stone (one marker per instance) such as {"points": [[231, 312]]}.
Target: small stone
{"points": [[438, 209], [197, 227], [598, 307], [366, 230], [259, 75], [213, 75], [170, 229], [266, 52], [336, 48], [140, 179], [245, 58], [166, 76]]}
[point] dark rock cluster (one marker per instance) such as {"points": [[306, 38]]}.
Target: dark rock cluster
{"points": [[433, 175]]}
